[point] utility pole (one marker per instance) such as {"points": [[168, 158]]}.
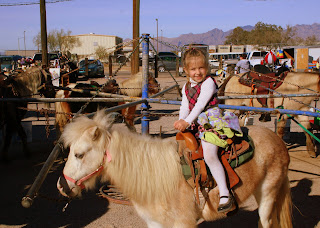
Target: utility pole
{"points": [[157, 37], [18, 47], [161, 39], [44, 47], [135, 36], [24, 40]]}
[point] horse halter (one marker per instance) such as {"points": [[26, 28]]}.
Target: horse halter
{"points": [[97, 171]]}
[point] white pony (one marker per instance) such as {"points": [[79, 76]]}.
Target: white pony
{"points": [[147, 170]]}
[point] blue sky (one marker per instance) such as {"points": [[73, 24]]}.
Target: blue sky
{"points": [[175, 17]]}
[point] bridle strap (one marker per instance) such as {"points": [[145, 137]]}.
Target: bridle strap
{"points": [[97, 171]]}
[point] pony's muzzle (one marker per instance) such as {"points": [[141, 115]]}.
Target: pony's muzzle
{"points": [[63, 186]]}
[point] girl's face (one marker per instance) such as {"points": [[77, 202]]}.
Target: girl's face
{"points": [[196, 69]]}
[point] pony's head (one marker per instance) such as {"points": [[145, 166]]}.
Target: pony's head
{"points": [[87, 140], [34, 81]]}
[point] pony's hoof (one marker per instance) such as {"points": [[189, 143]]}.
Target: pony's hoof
{"points": [[265, 118]]}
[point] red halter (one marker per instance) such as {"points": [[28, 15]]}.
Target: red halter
{"points": [[97, 171]]}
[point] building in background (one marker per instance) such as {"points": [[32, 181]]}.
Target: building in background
{"points": [[90, 42], [25, 53]]}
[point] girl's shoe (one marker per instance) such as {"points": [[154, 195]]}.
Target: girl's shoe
{"points": [[225, 207]]}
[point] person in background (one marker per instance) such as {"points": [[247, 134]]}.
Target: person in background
{"points": [[243, 65], [199, 112]]}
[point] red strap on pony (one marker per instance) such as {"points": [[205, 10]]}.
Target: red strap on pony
{"points": [[97, 171]]}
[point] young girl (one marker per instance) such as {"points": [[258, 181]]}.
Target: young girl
{"points": [[199, 103]]}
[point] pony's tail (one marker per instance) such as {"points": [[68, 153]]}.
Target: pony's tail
{"points": [[284, 205]]}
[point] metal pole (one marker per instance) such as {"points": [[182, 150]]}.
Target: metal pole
{"points": [[145, 74]]}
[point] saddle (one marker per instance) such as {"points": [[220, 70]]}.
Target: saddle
{"points": [[264, 83], [200, 176]]}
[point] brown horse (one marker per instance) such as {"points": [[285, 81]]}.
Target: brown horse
{"points": [[22, 85], [148, 171], [294, 83], [131, 87]]}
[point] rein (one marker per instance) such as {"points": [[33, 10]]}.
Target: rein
{"points": [[97, 171]]}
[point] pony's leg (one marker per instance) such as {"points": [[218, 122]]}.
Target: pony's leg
{"points": [[310, 142], [128, 115], [281, 126], [23, 136], [147, 218], [6, 143], [265, 197], [275, 204]]}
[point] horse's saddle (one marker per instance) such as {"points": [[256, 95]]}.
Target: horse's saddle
{"points": [[195, 170], [264, 83]]}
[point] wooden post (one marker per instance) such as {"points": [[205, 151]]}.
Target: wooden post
{"points": [[86, 67], [156, 66], [44, 46], [135, 36], [110, 66], [177, 66]]}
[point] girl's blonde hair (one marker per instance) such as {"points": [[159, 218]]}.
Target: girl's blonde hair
{"points": [[195, 52]]}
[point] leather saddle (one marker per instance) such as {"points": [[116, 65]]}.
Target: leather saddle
{"points": [[264, 83], [193, 156]]}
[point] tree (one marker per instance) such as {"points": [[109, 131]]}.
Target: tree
{"points": [[266, 35], [288, 36], [311, 40], [58, 40], [101, 52], [37, 41], [238, 36]]}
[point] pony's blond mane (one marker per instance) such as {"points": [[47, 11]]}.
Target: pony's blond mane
{"points": [[79, 125], [144, 168]]}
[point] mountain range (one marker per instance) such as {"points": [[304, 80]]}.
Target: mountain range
{"points": [[217, 36]]}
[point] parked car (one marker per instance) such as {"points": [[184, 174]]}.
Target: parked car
{"points": [[9, 62], [95, 68], [167, 61], [52, 57]]}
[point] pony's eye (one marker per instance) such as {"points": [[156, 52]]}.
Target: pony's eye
{"points": [[79, 156]]}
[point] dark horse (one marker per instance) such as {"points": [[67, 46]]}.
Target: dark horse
{"points": [[131, 87], [22, 85]]}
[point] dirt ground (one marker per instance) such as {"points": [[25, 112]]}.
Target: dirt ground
{"points": [[93, 211]]}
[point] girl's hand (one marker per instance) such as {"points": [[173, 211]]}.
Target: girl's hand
{"points": [[181, 125]]}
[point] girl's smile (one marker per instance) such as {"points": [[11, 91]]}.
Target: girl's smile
{"points": [[196, 69]]}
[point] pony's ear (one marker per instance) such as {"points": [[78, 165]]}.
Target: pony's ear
{"points": [[94, 133]]}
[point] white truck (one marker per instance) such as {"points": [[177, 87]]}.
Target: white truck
{"points": [[255, 57]]}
